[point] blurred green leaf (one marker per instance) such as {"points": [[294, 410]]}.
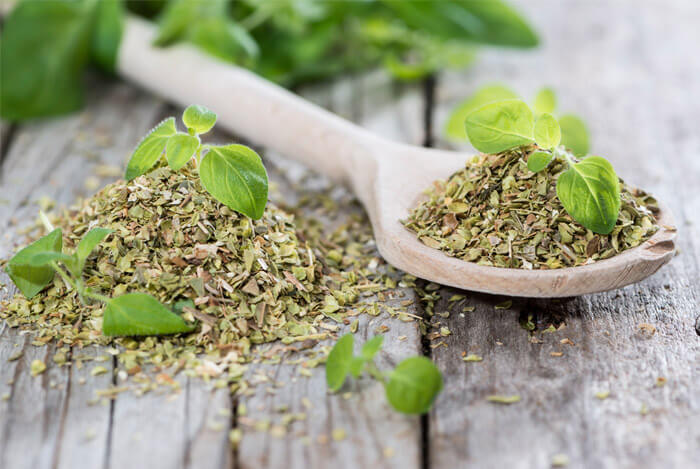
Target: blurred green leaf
{"points": [[547, 132], [339, 362], [545, 101], [539, 160], [47, 45], [487, 22], [574, 134], [44, 49], [107, 33], [455, 128]]}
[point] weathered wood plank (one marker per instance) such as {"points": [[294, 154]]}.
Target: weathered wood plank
{"points": [[209, 419], [85, 434], [150, 430], [644, 128], [12, 344], [373, 434], [36, 408]]}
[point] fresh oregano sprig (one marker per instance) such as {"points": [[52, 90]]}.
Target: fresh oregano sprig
{"points": [[589, 189], [34, 267], [410, 388], [233, 174], [574, 135]]}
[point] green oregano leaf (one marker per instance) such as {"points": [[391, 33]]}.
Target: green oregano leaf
{"points": [[545, 101], [339, 362], [455, 128], [539, 160], [198, 118], [137, 314], [500, 126], [236, 177], [180, 149], [150, 149], [88, 243], [413, 385], [574, 134], [372, 347], [547, 132], [32, 279], [590, 193], [46, 257]]}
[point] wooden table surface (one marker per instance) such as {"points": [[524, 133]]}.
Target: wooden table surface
{"points": [[631, 70]]}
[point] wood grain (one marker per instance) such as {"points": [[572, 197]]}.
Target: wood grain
{"points": [[644, 127]]}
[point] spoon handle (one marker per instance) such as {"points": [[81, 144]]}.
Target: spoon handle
{"points": [[247, 105]]}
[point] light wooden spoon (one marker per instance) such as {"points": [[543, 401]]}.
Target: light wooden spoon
{"points": [[386, 176]]}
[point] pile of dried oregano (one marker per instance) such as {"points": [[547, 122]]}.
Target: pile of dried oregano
{"points": [[245, 282], [497, 212]]}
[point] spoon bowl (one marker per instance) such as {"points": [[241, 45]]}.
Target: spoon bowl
{"points": [[396, 190], [387, 177]]}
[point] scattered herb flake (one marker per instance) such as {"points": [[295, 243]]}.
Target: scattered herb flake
{"points": [[498, 399]]}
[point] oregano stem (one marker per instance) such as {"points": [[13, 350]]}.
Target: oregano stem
{"points": [[375, 373], [66, 278], [96, 296], [568, 158], [46, 222]]}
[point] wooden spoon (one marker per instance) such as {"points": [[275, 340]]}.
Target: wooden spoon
{"points": [[386, 176]]}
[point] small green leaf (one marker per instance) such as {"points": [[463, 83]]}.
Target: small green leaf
{"points": [[180, 149], [372, 347], [339, 362], [29, 279], [545, 101], [547, 132], [236, 177], [500, 126], [136, 314], [198, 118], [590, 193], [88, 243], [539, 160], [574, 135], [413, 385], [150, 149], [46, 257], [180, 305], [454, 128]]}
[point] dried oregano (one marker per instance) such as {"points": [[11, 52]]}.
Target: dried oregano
{"points": [[497, 212], [240, 281]]}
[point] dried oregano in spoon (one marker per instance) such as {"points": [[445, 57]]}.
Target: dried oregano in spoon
{"points": [[527, 202]]}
